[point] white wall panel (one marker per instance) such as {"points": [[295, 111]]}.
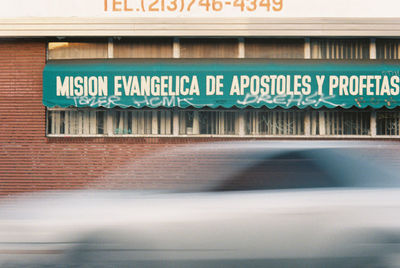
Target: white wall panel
{"points": [[198, 27]]}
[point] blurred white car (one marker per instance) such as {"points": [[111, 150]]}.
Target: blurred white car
{"points": [[248, 204]]}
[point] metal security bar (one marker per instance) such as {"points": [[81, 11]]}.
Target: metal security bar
{"points": [[209, 122], [388, 123], [347, 123], [186, 121], [314, 123], [230, 122]]}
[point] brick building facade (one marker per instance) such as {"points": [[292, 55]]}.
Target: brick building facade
{"points": [[70, 147]]}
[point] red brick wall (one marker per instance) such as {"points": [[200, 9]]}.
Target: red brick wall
{"points": [[28, 160], [21, 115]]}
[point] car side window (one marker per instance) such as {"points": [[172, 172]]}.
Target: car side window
{"points": [[285, 171]]}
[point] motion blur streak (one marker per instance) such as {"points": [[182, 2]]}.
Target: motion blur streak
{"points": [[248, 204]]}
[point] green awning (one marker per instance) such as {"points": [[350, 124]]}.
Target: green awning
{"points": [[213, 83]]}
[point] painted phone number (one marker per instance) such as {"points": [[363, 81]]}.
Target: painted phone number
{"points": [[192, 5]]}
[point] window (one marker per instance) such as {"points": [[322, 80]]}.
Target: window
{"points": [[208, 48], [217, 122], [143, 48], [388, 123], [134, 122], [108, 122], [275, 122], [76, 122], [274, 48], [189, 122], [352, 122], [387, 49], [78, 50], [81, 122], [340, 49], [118, 48]]}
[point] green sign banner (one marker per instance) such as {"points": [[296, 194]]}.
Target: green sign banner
{"points": [[236, 83]]}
